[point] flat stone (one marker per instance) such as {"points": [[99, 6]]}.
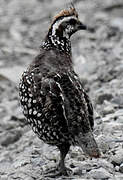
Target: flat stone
{"points": [[100, 173]]}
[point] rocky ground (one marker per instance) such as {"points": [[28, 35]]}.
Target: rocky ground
{"points": [[98, 59]]}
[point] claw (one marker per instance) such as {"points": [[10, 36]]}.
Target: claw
{"points": [[56, 172]]}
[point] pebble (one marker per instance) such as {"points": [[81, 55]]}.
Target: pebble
{"points": [[117, 22], [121, 168], [117, 159], [108, 110], [120, 119], [103, 145], [117, 168]]}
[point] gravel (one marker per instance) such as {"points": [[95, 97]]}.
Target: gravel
{"points": [[98, 59]]}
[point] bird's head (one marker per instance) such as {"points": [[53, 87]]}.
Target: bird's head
{"points": [[66, 23]]}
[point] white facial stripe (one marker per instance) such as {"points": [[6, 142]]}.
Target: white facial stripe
{"points": [[57, 23]]}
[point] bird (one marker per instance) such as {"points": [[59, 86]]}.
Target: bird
{"points": [[52, 96]]}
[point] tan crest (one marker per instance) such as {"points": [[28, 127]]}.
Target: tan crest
{"points": [[71, 12]]}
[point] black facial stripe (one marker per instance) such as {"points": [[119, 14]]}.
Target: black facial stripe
{"points": [[69, 22], [72, 21]]}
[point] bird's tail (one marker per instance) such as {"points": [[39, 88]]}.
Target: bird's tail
{"points": [[88, 144]]}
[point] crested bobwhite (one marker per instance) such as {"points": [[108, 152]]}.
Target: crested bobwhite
{"points": [[51, 94]]}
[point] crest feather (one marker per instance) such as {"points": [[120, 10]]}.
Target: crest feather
{"points": [[71, 12]]}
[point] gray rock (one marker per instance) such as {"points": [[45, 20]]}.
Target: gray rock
{"points": [[113, 127], [121, 168], [117, 23], [104, 163], [102, 97], [100, 173], [117, 168], [120, 120], [103, 144], [10, 137], [4, 177], [118, 177], [117, 159], [108, 110]]}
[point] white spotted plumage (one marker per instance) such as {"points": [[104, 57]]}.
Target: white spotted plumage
{"points": [[51, 94]]}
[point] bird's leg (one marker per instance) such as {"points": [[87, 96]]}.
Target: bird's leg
{"points": [[64, 148], [61, 169]]}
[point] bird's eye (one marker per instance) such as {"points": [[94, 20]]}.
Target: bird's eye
{"points": [[72, 21]]}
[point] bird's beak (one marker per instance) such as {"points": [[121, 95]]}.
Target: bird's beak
{"points": [[81, 26]]}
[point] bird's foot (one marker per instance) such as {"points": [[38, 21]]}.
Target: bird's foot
{"points": [[56, 172]]}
